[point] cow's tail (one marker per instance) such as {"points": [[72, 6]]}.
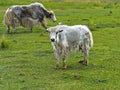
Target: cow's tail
{"points": [[8, 17]]}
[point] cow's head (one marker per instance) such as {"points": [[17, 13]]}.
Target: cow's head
{"points": [[53, 31], [52, 16]]}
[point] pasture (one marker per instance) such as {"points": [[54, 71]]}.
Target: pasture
{"points": [[27, 61]]}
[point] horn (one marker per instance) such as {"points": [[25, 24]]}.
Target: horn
{"points": [[47, 30]]}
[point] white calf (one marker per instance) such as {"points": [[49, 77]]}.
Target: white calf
{"points": [[70, 38]]}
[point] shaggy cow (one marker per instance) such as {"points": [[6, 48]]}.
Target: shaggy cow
{"points": [[37, 10], [10, 19], [34, 13], [70, 38]]}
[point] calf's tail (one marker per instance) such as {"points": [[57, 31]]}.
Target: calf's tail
{"points": [[90, 39]]}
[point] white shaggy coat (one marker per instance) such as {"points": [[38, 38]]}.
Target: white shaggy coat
{"points": [[70, 38]]}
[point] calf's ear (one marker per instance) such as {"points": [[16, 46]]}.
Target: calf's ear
{"points": [[60, 30], [47, 31]]}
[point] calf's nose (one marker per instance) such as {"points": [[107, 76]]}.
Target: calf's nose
{"points": [[52, 39]]}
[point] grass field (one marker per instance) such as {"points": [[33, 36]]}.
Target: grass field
{"points": [[27, 61]]}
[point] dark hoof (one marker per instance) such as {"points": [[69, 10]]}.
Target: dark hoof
{"points": [[83, 62], [64, 68], [57, 67]]}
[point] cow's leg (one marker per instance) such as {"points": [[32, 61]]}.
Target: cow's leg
{"points": [[31, 29], [44, 23], [8, 29], [14, 28]]}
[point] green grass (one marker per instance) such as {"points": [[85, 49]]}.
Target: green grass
{"points": [[28, 61]]}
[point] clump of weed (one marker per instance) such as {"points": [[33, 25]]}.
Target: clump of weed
{"points": [[4, 42], [108, 5]]}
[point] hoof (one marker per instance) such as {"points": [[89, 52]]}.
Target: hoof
{"points": [[56, 67], [64, 68], [83, 62]]}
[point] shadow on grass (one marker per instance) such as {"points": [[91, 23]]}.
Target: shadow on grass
{"points": [[80, 66]]}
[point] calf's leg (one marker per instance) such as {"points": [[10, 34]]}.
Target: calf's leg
{"points": [[64, 56], [57, 55], [86, 51], [85, 62]]}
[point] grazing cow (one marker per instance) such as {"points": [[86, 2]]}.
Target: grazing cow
{"points": [[37, 10], [27, 16], [70, 38], [10, 19]]}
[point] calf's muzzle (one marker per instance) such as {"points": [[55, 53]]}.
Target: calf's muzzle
{"points": [[52, 39]]}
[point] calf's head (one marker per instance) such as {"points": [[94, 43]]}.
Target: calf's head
{"points": [[53, 31]]}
